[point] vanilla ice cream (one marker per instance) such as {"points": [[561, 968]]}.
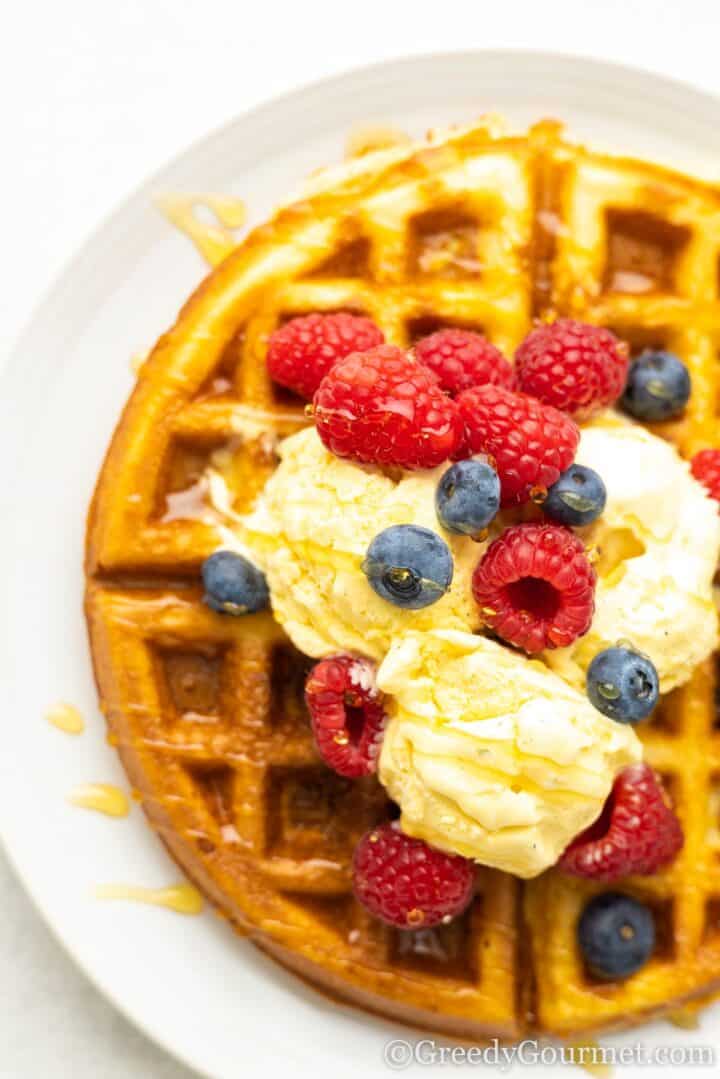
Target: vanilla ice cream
{"points": [[658, 542], [310, 531], [491, 755]]}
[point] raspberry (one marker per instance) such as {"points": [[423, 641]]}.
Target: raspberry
{"points": [[637, 832], [381, 407], [462, 359], [535, 587], [705, 467], [346, 713], [573, 366], [531, 443], [408, 884], [302, 351]]}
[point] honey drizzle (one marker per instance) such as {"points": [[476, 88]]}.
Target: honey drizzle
{"points": [[102, 797], [181, 898], [213, 241], [66, 718]]}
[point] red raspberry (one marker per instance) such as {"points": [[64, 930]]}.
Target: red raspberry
{"points": [[346, 713], [705, 467], [462, 359], [302, 351], [408, 884], [637, 831], [573, 366], [531, 443], [381, 407], [535, 587]]}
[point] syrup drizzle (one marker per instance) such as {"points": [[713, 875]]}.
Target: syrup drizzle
{"points": [[213, 241], [66, 718], [182, 898], [102, 797]]}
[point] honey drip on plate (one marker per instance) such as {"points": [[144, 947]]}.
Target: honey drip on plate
{"points": [[102, 797], [182, 898], [66, 718], [587, 1054], [138, 359], [366, 138], [213, 241]]}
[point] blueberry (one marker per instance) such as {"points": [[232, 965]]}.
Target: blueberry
{"points": [[578, 497], [467, 497], [623, 684], [658, 386], [408, 565], [233, 585], [616, 935]]}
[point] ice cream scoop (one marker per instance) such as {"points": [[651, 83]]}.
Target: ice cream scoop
{"points": [[658, 544], [311, 532], [491, 755]]}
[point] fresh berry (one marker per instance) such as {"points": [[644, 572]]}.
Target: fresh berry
{"points": [[233, 585], [468, 497], [573, 366], [535, 587], [637, 832], [346, 713], [462, 359], [623, 684], [409, 566], [408, 884], [658, 386], [705, 467], [616, 935], [578, 497], [382, 407], [302, 351], [530, 443]]}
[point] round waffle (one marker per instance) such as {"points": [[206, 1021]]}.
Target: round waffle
{"points": [[476, 230]]}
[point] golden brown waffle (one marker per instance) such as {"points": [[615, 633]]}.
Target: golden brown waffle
{"points": [[206, 710]]}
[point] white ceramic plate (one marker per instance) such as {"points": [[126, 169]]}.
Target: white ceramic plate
{"points": [[188, 982]]}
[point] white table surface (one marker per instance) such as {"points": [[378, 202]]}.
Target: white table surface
{"points": [[94, 97]]}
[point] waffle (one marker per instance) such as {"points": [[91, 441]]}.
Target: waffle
{"points": [[474, 229]]}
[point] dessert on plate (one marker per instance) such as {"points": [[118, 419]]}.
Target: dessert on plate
{"points": [[400, 585]]}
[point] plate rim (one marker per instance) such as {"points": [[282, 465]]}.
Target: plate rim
{"points": [[325, 83]]}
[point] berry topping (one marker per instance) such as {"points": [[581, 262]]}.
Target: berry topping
{"points": [[347, 714], [302, 351], [616, 935], [382, 407], [637, 832], [578, 497], [531, 443], [409, 565], [468, 497], [623, 684], [658, 386], [462, 359], [233, 585], [408, 884], [535, 587], [573, 366], [705, 467]]}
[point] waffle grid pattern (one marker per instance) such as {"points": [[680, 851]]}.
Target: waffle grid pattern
{"points": [[207, 710]]}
